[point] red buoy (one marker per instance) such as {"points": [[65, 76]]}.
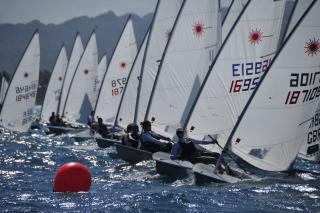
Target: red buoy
{"points": [[72, 177]]}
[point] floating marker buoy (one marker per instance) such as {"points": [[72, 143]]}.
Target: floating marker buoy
{"points": [[72, 177]]}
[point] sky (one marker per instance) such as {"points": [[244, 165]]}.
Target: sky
{"points": [[58, 11]]}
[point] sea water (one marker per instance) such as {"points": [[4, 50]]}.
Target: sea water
{"points": [[28, 162]]}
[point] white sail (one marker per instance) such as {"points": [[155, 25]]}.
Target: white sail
{"points": [[3, 90], [128, 104], [163, 21], [300, 8], [276, 120], [52, 97], [234, 10], [245, 55], [17, 108], [310, 148], [102, 68], [81, 96], [191, 49], [115, 78], [75, 56]]}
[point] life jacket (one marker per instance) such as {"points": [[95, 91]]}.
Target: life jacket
{"points": [[151, 147], [134, 140], [103, 130], [187, 150]]}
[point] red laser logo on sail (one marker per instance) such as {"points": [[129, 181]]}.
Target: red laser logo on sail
{"points": [[123, 65], [255, 36], [312, 47], [198, 29]]}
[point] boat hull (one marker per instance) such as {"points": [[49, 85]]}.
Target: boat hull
{"points": [[166, 166], [63, 130], [204, 173], [131, 154]]}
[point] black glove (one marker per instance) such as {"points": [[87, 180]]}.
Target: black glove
{"points": [[214, 142]]}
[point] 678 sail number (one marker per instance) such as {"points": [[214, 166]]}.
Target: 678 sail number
{"points": [[118, 86]]}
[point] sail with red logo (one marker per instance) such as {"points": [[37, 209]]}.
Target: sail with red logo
{"points": [[17, 109], [53, 92]]}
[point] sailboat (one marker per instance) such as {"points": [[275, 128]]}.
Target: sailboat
{"points": [[115, 78], [87, 134], [160, 31], [74, 59], [204, 109], [75, 56], [17, 109], [275, 121], [195, 38], [164, 17], [126, 111], [3, 89], [52, 96], [236, 70], [310, 149], [80, 102]]}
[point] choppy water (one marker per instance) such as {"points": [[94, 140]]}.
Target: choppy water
{"points": [[28, 163]]}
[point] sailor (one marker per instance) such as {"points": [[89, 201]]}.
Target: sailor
{"points": [[102, 128], [52, 118], [151, 140], [59, 121], [132, 136], [186, 148]]}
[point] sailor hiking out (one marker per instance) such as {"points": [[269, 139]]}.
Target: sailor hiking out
{"points": [[186, 148], [151, 141]]}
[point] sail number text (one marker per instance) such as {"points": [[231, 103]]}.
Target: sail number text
{"points": [[117, 86], [303, 80], [249, 74], [26, 92]]}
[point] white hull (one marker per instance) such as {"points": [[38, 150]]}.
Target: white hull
{"points": [[204, 173]]}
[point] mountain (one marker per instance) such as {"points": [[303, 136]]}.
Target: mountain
{"points": [[108, 26]]}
